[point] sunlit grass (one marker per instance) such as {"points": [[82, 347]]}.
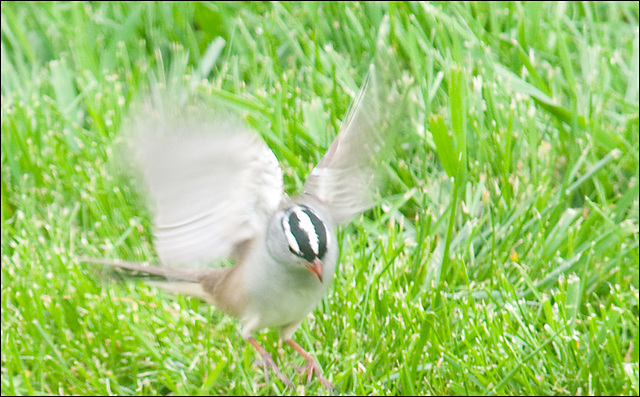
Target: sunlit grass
{"points": [[503, 258]]}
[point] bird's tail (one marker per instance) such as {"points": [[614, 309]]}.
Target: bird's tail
{"points": [[193, 275], [183, 281]]}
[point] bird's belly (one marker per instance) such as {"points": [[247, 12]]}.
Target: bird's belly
{"points": [[277, 305], [280, 296], [280, 308]]}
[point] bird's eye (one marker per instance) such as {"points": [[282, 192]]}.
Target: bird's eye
{"points": [[305, 232]]}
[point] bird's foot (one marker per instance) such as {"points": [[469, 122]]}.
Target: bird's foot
{"points": [[267, 364], [312, 367]]}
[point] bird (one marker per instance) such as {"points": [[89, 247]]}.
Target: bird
{"points": [[216, 191]]}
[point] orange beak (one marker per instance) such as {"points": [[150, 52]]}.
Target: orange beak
{"points": [[315, 268]]}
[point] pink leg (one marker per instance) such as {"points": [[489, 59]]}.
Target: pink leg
{"points": [[268, 363], [312, 365]]}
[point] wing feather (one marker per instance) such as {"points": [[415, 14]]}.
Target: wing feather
{"points": [[214, 185], [344, 179]]}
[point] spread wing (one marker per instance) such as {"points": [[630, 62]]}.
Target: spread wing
{"points": [[214, 185], [344, 179]]}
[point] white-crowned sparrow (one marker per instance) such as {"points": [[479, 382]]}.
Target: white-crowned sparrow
{"points": [[218, 193]]}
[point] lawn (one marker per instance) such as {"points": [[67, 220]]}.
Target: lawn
{"points": [[502, 259]]}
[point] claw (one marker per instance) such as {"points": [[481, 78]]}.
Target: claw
{"points": [[268, 364], [312, 367]]}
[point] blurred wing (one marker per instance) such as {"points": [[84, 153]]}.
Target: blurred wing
{"points": [[344, 178], [214, 184]]}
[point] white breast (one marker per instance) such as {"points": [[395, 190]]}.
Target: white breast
{"points": [[288, 296]]}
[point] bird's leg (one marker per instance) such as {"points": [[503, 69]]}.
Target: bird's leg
{"points": [[312, 365], [268, 363]]}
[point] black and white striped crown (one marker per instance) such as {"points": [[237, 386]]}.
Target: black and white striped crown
{"points": [[305, 232]]}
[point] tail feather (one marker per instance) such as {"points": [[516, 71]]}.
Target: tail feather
{"points": [[184, 288], [192, 275]]}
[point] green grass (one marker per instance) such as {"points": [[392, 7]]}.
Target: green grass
{"points": [[502, 260]]}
